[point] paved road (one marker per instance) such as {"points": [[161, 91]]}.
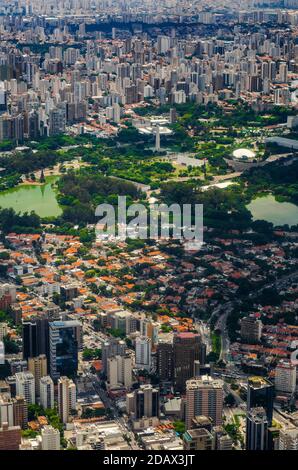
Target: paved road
{"points": [[204, 331], [216, 178], [223, 311], [237, 398], [123, 424], [225, 342]]}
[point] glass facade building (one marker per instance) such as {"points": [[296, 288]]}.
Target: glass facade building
{"points": [[64, 346]]}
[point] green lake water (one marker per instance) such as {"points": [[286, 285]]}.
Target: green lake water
{"points": [[269, 209], [27, 198]]}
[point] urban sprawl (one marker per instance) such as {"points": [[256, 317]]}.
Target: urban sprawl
{"points": [[148, 344]]}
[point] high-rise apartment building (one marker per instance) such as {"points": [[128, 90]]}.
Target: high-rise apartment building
{"points": [[6, 410], [143, 352], [25, 386], [66, 398], [57, 120], [251, 330], [285, 377], [38, 368], [150, 329], [120, 371], [143, 402], [13, 411], [46, 392], [173, 115], [50, 438], [20, 412], [10, 437], [111, 348], [7, 296], [11, 128], [3, 101], [204, 396], [165, 361]]}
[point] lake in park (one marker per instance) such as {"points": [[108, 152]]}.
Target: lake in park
{"points": [[38, 198], [269, 209]]}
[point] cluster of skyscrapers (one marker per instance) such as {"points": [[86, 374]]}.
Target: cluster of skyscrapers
{"points": [[77, 78]]}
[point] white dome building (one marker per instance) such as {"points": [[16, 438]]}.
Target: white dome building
{"points": [[244, 155]]}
